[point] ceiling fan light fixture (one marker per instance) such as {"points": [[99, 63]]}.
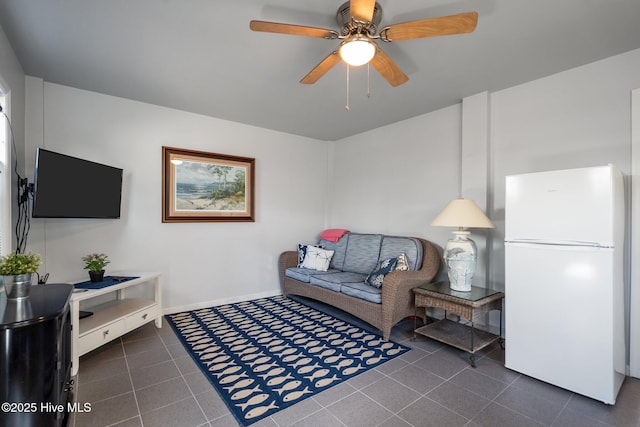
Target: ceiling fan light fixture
{"points": [[357, 50]]}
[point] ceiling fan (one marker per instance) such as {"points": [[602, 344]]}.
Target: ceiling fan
{"points": [[359, 20]]}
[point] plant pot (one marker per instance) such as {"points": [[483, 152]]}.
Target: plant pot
{"points": [[18, 310], [18, 286], [96, 276]]}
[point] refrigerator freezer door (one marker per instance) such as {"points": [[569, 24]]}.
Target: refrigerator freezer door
{"points": [[562, 316], [574, 205]]}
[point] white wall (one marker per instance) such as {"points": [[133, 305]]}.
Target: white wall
{"points": [[202, 263], [396, 179], [634, 297], [393, 180], [578, 118], [581, 117], [474, 182], [12, 85]]}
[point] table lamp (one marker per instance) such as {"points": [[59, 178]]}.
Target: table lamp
{"points": [[460, 252]]}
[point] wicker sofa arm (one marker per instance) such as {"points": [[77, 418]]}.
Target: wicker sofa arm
{"points": [[397, 292], [287, 259], [398, 281], [397, 295]]}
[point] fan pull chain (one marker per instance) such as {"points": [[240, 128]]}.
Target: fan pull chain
{"points": [[368, 81], [347, 106]]}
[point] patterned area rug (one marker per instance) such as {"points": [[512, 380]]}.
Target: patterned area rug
{"points": [[265, 355]]}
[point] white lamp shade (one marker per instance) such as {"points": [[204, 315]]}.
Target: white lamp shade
{"points": [[357, 51], [462, 213]]}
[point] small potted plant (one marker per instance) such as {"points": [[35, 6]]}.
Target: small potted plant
{"points": [[95, 263], [16, 271]]}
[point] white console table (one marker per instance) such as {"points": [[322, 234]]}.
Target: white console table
{"points": [[113, 318]]}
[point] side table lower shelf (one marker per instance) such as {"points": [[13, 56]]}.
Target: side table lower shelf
{"points": [[471, 305], [458, 335], [112, 319]]}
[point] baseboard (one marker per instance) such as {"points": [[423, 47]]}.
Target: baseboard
{"points": [[212, 303]]}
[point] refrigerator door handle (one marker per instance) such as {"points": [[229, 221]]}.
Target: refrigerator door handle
{"points": [[559, 243]]}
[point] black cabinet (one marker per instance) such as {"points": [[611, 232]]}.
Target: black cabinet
{"points": [[35, 357]]}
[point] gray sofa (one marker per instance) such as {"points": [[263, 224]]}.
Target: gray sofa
{"points": [[343, 284]]}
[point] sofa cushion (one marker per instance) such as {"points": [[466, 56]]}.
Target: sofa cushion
{"points": [[363, 291], [335, 281], [339, 249], [384, 267], [392, 246], [304, 274], [362, 254]]}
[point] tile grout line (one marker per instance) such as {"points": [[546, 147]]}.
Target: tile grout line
{"points": [[507, 381], [207, 421], [445, 381], [133, 388]]}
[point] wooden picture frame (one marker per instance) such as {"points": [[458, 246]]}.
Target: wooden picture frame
{"points": [[198, 186]]}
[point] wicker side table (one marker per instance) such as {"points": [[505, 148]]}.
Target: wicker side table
{"points": [[468, 305]]}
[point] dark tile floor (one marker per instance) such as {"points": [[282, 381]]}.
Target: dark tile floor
{"points": [[146, 378]]}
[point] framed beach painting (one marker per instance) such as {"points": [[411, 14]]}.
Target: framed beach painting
{"points": [[202, 187]]}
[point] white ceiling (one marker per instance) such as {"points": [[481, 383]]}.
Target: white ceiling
{"points": [[200, 56]]}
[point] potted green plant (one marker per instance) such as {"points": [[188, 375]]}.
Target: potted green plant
{"points": [[16, 271], [95, 263]]}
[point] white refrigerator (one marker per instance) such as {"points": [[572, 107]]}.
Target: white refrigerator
{"points": [[564, 291]]}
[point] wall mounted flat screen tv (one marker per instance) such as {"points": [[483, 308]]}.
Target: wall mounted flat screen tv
{"points": [[69, 187]]}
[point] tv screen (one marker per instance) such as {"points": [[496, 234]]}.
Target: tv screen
{"points": [[68, 187]]}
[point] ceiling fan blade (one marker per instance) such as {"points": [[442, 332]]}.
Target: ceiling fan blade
{"points": [[321, 69], [362, 10], [296, 30], [431, 27], [388, 69]]}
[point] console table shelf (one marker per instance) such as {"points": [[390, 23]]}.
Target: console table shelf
{"points": [[105, 313], [115, 317]]}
